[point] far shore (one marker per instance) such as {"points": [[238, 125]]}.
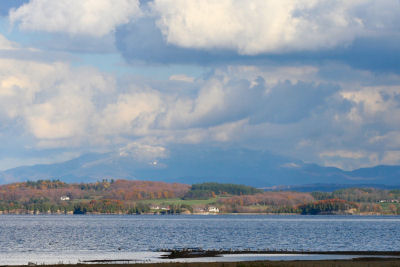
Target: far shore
{"points": [[199, 253], [192, 257], [197, 214], [362, 262]]}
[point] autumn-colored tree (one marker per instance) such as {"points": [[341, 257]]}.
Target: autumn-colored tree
{"points": [[393, 208]]}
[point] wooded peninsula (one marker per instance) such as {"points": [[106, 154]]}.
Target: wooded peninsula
{"points": [[145, 197]]}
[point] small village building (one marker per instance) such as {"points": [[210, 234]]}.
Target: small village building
{"points": [[213, 209], [388, 201], [64, 198]]}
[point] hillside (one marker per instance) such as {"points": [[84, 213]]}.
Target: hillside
{"points": [[136, 197], [106, 189]]}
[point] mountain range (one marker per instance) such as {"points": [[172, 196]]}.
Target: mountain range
{"points": [[198, 164]]}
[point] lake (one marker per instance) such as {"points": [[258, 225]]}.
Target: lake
{"points": [[56, 238]]}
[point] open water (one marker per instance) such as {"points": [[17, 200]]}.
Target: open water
{"points": [[58, 238]]}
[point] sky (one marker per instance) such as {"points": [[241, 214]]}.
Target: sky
{"points": [[316, 80]]}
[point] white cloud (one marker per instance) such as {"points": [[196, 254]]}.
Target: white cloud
{"points": [[133, 113], [343, 154], [291, 165], [182, 78], [5, 44], [51, 100], [292, 110], [259, 26], [64, 116], [375, 103], [223, 98], [228, 131], [391, 158], [144, 152], [387, 141], [90, 17]]}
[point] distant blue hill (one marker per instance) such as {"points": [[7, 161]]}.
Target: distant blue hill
{"points": [[326, 187], [194, 164]]}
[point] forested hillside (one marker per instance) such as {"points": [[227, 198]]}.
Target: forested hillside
{"points": [[207, 190], [107, 189], [136, 197]]}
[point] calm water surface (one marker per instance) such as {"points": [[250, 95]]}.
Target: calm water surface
{"points": [[88, 237]]}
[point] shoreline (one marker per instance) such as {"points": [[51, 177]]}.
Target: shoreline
{"points": [[356, 262], [203, 214], [193, 257], [199, 253]]}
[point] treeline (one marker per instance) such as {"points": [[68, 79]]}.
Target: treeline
{"points": [[109, 206], [328, 206], [137, 197], [103, 206], [119, 189], [266, 202], [232, 189], [112, 206], [369, 195], [45, 184], [36, 206], [211, 190], [269, 199], [344, 201]]}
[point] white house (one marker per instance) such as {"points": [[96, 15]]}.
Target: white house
{"points": [[213, 209], [64, 198]]}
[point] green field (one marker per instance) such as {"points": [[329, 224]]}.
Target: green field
{"points": [[178, 201]]}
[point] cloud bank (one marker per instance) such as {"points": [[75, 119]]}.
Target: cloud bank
{"points": [[258, 27], [361, 33], [92, 17], [316, 80], [296, 111]]}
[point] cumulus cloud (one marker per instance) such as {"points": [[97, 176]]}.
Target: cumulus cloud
{"points": [[281, 77], [329, 114], [362, 34], [5, 44], [257, 26], [391, 158], [375, 104], [143, 41], [93, 17], [53, 101], [133, 113], [245, 28], [389, 140]]}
